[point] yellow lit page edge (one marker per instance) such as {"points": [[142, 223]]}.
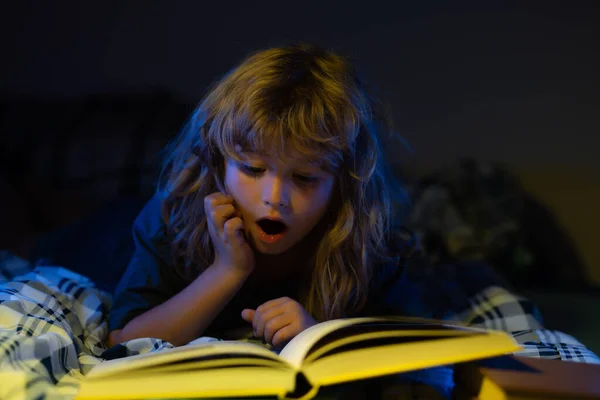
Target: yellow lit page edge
{"points": [[385, 334], [391, 359], [296, 350], [232, 363], [125, 364]]}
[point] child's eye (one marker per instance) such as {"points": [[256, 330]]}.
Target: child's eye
{"points": [[303, 179], [307, 179], [252, 170]]}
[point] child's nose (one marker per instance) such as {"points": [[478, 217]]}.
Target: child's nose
{"points": [[276, 193]]}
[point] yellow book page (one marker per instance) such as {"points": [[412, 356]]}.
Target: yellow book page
{"points": [[240, 362], [381, 335], [490, 391], [182, 353], [228, 382], [295, 351], [389, 359]]}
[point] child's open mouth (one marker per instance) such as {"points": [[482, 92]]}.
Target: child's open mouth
{"points": [[271, 230]]}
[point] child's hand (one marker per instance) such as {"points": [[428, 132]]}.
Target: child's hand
{"points": [[226, 229], [278, 321]]}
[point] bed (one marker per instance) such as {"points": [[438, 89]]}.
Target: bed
{"points": [[67, 211]]}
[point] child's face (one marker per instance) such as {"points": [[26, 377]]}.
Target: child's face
{"points": [[292, 190]]}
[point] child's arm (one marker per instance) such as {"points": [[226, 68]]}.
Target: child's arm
{"points": [[152, 300], [186, 315]]}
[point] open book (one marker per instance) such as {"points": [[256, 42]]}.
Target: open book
{"points": [[328, 353]]}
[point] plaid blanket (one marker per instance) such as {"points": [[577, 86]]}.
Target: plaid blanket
{"points": [[53, 323]]}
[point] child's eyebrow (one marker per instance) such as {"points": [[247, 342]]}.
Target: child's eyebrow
{"points": [[298, 162]]}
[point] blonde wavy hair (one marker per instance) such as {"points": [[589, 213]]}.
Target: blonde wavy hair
{"points": [[309, 99]]}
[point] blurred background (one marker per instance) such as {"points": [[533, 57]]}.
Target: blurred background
{"points": [[495, 105]]}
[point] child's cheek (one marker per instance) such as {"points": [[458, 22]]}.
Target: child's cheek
{"points": [[231, 180]]}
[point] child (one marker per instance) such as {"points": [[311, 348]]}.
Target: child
{"points": [[275, 209]]}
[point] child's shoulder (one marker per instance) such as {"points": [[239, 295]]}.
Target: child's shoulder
{"points": [[149, 221], [401, 247], [403, 242]]}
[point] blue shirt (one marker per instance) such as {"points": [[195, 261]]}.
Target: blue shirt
{"points": [[470, 292], [151, 279]]}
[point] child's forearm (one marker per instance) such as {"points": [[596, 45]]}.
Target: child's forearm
{"points": [[186, 315]]}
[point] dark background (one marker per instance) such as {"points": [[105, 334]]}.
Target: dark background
{"points": [[515, 82], [511, 82]]}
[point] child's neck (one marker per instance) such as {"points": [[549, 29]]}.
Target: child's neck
{"points": [[294, 264], [291, 263]]}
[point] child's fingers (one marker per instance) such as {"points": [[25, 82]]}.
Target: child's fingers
{"points": [[224, 212], [272, 303], [233, 229], [216, 220], [275, 324], [262, 318], [265, 311], [213, 200], [248, 314], [283, 335], [218, 208]]}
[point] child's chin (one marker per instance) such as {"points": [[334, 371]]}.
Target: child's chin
{"points": [[270, 249], [276, 248]]}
